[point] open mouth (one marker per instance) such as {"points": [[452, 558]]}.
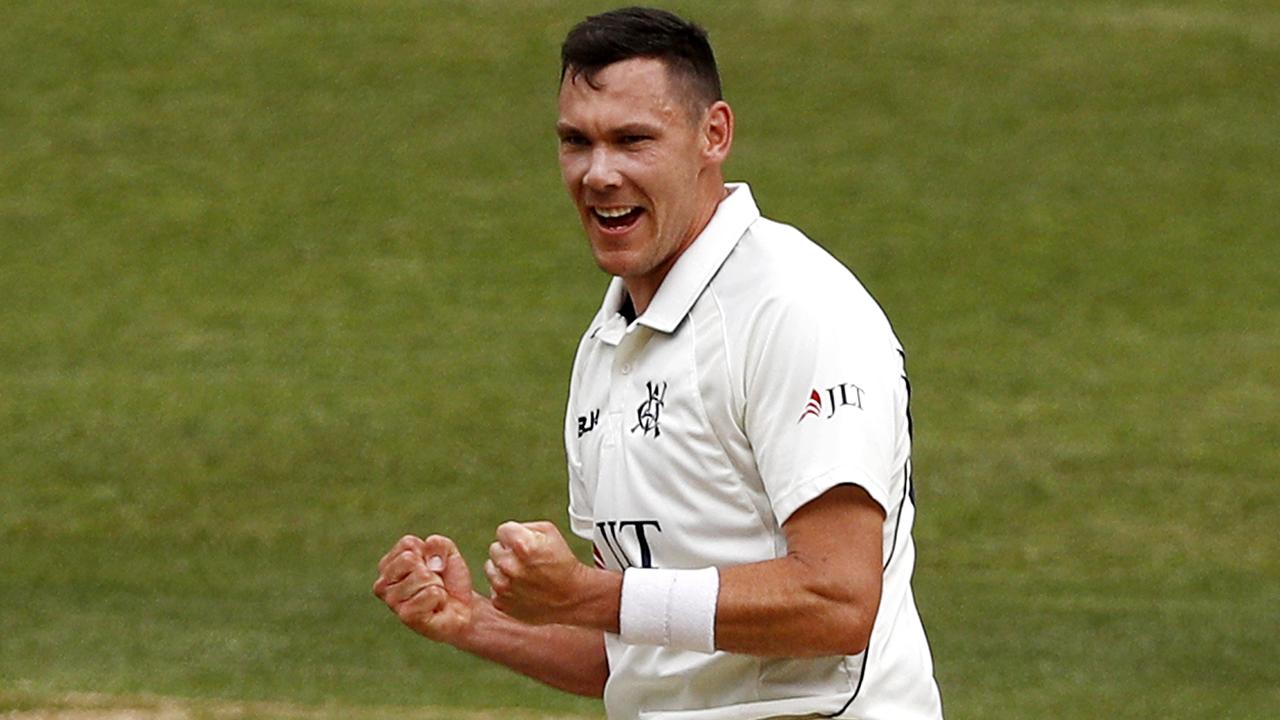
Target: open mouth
{"points": [[617, 218]]}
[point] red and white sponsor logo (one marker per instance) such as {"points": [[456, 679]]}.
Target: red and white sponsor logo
{"points": [[838, 396], [814, 407]]}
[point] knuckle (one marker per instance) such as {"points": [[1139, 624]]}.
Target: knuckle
{"points": [[394, 595], [491, 570], [508, 566], [405, 612], [426, 601]]}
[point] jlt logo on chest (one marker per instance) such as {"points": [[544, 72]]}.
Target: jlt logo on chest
{"points": [[627, 541]]}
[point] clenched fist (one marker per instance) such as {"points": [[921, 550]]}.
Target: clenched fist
{"points": [[427, 584], [535, 576]]}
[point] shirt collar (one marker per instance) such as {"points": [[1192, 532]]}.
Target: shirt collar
{"points": [[689, 276]]}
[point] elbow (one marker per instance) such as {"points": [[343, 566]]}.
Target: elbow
{"points": [[858, 636], [849, 617], [850, 629], [595, 689], [592, 683], [590, 690]]}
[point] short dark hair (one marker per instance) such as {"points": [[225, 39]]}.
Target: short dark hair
{"points": [[638, 32]]}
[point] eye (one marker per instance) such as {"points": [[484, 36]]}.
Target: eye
{"points": [[574, 140], [635, 139]]}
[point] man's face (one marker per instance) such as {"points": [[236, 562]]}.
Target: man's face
{"points": [[631, 156]]}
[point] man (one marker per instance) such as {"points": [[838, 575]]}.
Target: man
{"points": [[738, 439]]}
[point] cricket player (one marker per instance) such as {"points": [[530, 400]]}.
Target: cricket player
{"points": [[738, 437]]}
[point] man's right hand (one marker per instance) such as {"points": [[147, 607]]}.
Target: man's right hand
{"points": [[427, 584]]}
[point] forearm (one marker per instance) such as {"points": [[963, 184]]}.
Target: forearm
{"points": [[776, 608], [565, 657], [819, 599], [784, 608]]}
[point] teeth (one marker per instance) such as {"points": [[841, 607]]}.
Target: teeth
{"points": [[613, 212]]}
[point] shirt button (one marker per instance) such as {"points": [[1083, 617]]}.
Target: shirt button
{"points": [[626, 368]]}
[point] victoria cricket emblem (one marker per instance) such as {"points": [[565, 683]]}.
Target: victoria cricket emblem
{"points": [[648, 412]]}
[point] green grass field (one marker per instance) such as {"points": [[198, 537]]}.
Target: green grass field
{"points": [[282, 281]]}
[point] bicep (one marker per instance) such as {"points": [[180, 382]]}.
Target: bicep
{"points": [[838, 538]]}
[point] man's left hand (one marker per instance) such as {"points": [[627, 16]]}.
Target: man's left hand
{"points": [[534, 575]]}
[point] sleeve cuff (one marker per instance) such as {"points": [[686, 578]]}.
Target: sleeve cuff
{"points": [[581, 525], [802, 493]]}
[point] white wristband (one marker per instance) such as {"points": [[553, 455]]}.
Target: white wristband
{"points": [[673, 608]]}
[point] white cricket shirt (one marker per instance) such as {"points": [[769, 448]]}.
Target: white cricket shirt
{"points": [[761, 375]]}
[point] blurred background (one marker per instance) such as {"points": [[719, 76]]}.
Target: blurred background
{"points": [[281, 282]]}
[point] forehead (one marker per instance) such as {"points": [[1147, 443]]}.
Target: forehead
{"points": [[635, 89]]}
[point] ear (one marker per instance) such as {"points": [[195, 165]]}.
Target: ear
{"points": [[717, 133]]}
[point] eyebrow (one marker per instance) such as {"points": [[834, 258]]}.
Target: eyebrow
{"points": [[638, 128], [564, 129]]}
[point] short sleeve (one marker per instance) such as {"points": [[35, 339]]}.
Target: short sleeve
{"points": [[579, 509], [822, 386], [580, 503]]}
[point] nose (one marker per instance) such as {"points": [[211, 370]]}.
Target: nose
{"points": [[602, 173]]}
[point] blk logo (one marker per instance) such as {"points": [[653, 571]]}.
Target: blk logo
{"points": [[626, 542], [588, 422], [830, 400], [650, 410]]}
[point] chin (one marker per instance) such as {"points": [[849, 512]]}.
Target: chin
{"points": [[620, 263], [610, 264]]}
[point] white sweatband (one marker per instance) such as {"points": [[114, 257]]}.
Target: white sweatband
{"points": [[672, 608]]}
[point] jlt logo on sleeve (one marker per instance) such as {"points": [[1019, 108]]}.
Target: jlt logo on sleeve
{"points": [[837, 396]]}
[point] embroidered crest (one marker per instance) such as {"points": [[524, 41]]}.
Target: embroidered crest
{"points": [[650, 410]]}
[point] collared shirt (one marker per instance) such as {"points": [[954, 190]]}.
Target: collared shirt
{"points": [[761, 375]]}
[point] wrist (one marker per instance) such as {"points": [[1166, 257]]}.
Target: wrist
{"points": [[597, 600], [483, 614], [670, 608]]}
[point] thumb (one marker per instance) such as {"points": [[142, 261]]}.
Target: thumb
{"points": [[443, 557]]}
